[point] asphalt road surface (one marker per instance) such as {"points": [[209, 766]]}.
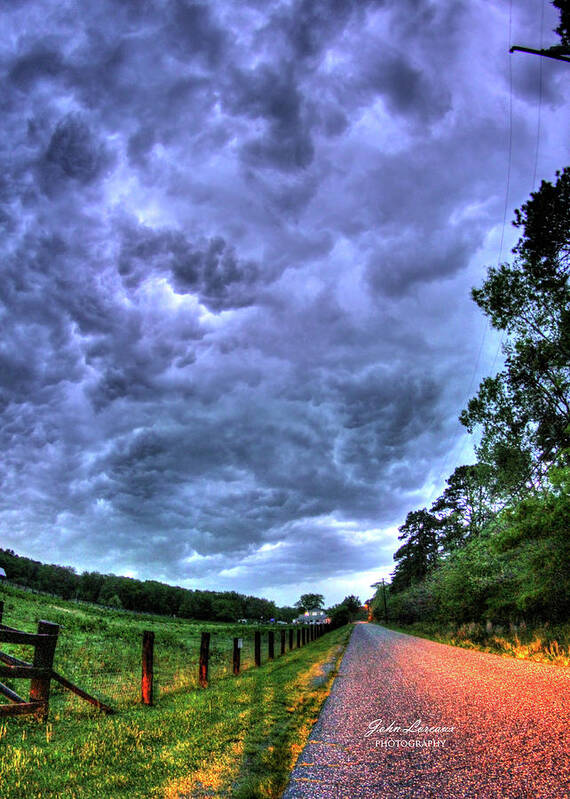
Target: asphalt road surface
{"points": [[502, 725]]}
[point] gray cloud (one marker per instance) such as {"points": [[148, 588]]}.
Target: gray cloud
{"points": [[194, 34], [238, 242], [73, 153]]}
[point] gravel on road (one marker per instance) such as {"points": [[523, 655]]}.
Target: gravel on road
{"points": [[411, 718]]}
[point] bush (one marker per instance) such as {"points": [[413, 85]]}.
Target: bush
{"points": [[416, 603]]}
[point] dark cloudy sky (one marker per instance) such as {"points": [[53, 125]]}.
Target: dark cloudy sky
{"points": [[238, 239]]}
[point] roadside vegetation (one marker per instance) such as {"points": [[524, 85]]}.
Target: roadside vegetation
{"points": [[488, 564], [544, 644], [238, 737]]}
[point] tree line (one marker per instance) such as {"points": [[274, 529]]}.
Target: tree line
{"points": [[495, 544], [151, 596], [148, 596]]}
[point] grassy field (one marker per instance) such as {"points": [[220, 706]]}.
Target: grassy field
{"points": [[544, 644], [239, 738], [100, 649]]}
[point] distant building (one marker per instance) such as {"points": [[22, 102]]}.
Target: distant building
{"points": [[312, 617], [3, 574]]}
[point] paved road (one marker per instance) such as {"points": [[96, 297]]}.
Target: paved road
{"points": [[510, 724]]}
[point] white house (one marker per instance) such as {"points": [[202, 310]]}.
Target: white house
{"points": [[312, 617]]}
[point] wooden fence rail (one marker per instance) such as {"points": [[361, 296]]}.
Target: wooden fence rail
{"points": [[40, 671]]}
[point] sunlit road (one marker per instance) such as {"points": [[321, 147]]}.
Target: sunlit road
{"points": [[509, 718]]}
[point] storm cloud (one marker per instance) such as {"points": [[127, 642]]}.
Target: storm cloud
{"points": [[237, 246]]}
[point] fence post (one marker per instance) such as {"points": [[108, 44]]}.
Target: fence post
{"points": [[282, 642], [290, 638], [43, 658], [237, 655], [271, 644], [204, 657], [298, 638], [303, 636], [147, 667], [257, 648]]}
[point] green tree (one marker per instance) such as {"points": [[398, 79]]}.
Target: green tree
{"points": [[524, 411], [197, 605], [287, 613], [353, 604], [415, 603], [259, 608], [533, 537], [419, 555], [345, 611], [465, 506], [310, 602], [111, 587], [473, 584], [563, 29], [228, 606], [115, 602]]}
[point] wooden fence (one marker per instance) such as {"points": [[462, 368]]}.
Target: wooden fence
{"points": [[40, 671], [304, 635]]}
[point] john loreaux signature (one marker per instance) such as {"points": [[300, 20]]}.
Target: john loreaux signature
{"points": [[378, 726]]}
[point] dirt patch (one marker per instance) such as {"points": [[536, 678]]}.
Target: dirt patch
{"points": [[326, 669]]}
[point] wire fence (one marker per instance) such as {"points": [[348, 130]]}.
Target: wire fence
{"points": [[106, 660]]}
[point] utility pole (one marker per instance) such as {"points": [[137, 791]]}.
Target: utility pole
{"points": [[559, 52], [385, 605], [376, 585]]}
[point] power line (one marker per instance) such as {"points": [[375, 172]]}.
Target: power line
{"points": [[509, 169], [505, 212], [539, 112], [537, 147]]}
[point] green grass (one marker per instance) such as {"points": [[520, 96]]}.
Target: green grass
{"points": [[544, 644], [100, 649], [239, 738]]}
